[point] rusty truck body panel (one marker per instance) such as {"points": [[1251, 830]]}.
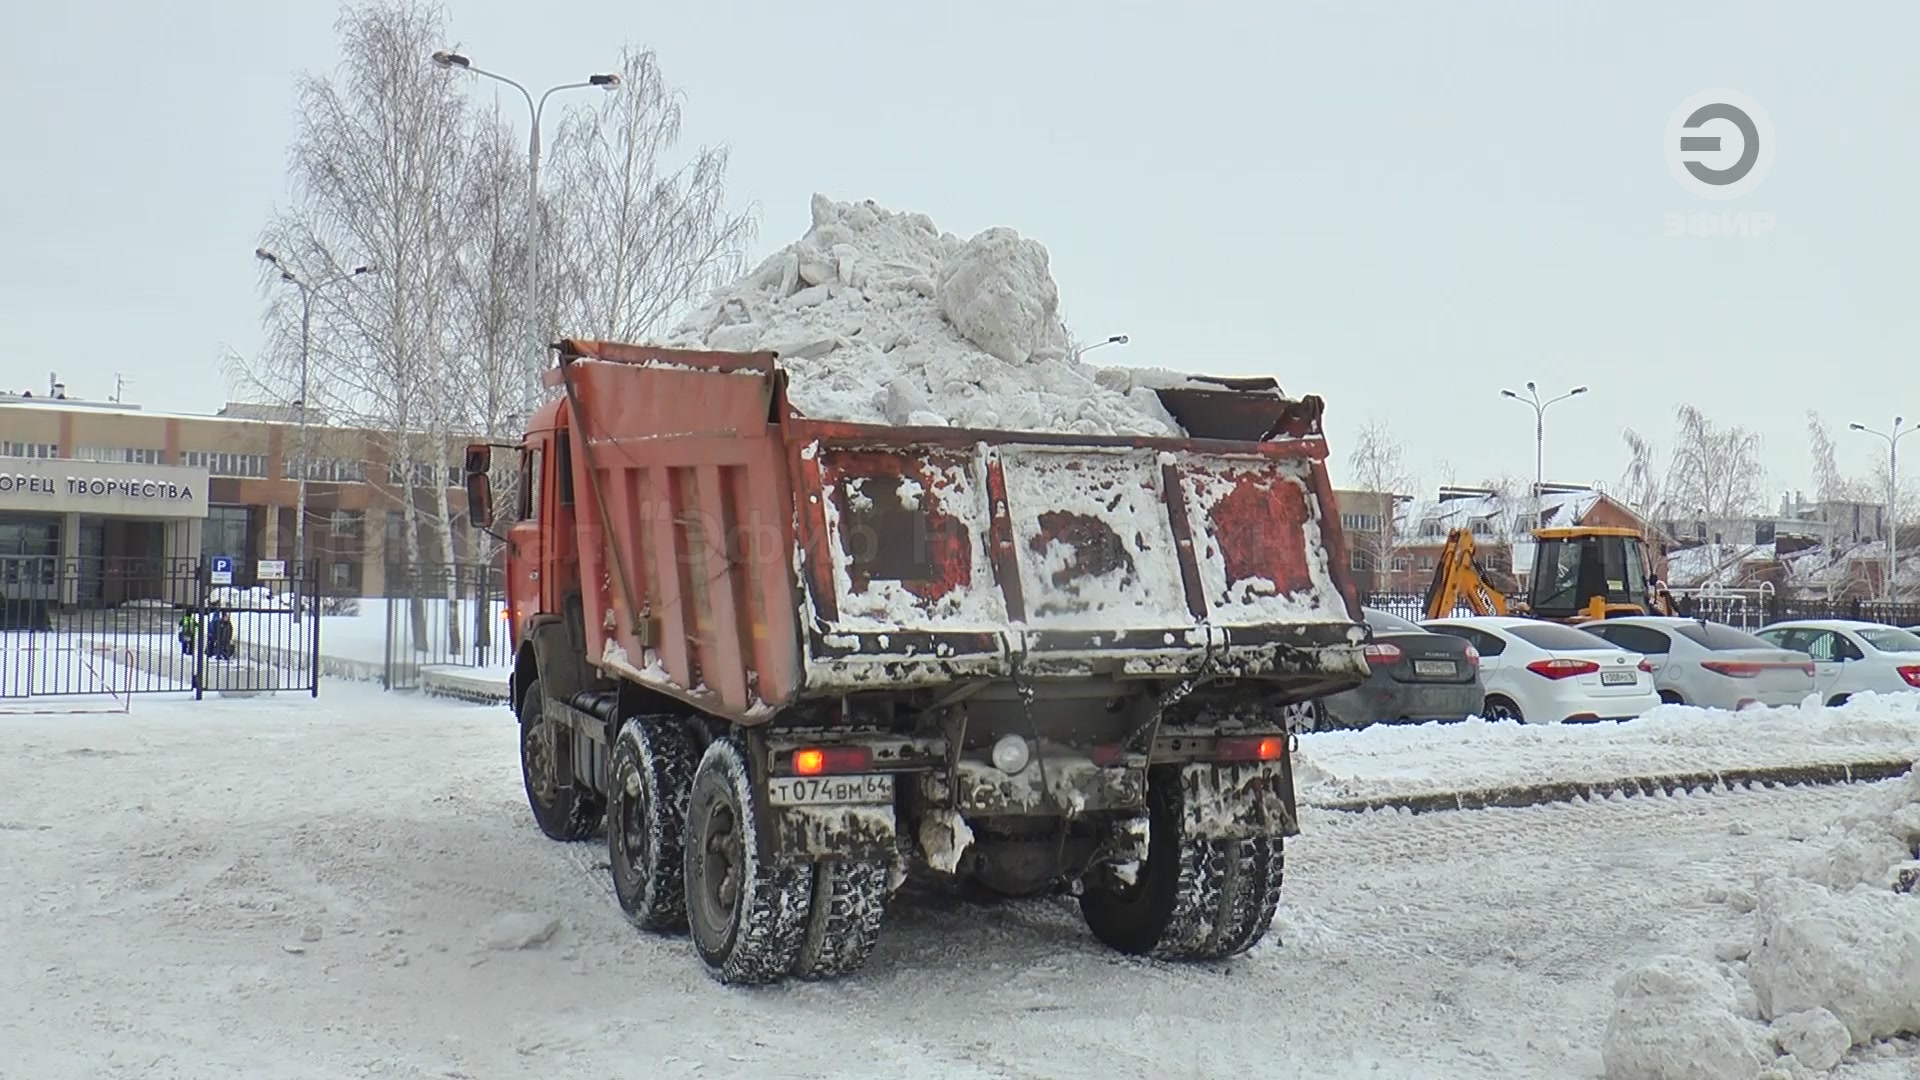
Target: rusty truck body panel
{"points": [[1008, 657], [742, 558]]}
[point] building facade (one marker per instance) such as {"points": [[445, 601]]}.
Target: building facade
{"points": [[106, 489]]}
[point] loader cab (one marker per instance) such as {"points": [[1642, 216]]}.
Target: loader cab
{"points": [[1588, 572]]}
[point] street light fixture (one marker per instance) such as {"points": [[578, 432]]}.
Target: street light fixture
{"points": [[535, 107], [308, 289], [1117, 339], [1532, 398], [1893, 493]]}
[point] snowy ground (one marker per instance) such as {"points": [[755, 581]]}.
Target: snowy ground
{"points": [[1421, 759], [293, 888]]}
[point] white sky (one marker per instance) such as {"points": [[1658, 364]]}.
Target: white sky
{"points": [[1399, 207]]}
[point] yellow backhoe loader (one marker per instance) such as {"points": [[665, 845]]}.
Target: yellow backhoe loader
{"points": [[1580, 572]]}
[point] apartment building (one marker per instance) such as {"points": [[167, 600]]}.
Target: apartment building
{"points": [[107, 489]]}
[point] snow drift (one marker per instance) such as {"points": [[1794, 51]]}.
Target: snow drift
{"points": [[1833, 961], [882, 318]]}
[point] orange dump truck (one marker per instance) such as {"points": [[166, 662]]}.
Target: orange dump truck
{"points": [[789, 662]]}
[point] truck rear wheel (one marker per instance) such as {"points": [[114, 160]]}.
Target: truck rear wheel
{"points": [[747, 919], [843, 922], [649, 779], [563, 809], [1192, 899]]}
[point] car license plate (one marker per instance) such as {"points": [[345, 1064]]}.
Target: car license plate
{"points": [[829, 790], [1619, 678], [1434, 667]]}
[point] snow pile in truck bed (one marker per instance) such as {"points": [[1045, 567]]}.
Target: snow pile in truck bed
{"points": [[1832, 961], [881, 318]]}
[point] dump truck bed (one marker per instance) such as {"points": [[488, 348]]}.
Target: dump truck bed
{"points": [[748, 558]]}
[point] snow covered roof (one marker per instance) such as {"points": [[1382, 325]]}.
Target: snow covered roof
{"points": [[1715, 564], [1492, 515]]}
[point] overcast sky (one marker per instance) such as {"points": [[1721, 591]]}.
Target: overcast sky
{"points": [[1400, 207]]}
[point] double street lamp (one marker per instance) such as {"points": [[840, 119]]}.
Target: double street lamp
{"points": [[453, 60], [308, 290], [1893, 493], [1540, 434]]}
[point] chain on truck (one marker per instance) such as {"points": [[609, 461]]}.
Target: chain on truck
{"points": [[791, 663]]}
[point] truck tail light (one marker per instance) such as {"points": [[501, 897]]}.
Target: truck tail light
{"points": [[1251, 748], [829, 760], [1562, 668], [1380, 654]]}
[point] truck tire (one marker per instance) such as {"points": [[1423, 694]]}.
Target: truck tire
{"points": [[843, 922], [564, 811], [649, 779], [747, 919], [1193, 899]]}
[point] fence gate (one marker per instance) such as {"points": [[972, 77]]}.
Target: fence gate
{"points": [[258, 638], [449, 617]]}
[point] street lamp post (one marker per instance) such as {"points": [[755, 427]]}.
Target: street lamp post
{"points": [[1540, 435], [1117, 339], [1893, 492], [534, 235], [308, 289]]}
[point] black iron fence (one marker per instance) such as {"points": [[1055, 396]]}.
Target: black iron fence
{"points": [[123, 626], [445, 616], [1747, 611]]}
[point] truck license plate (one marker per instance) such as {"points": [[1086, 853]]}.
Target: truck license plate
{"points": [[1618, 678], [1433, 667], [829, 790]]}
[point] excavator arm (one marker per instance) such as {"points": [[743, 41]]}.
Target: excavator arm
{"points": [[1458, 579]]}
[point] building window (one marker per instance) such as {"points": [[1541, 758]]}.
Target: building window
{"points": [[117, 455], [222, 463], [1360, 523], [1402, 563], [1426, 562], [226, 531], [326, 470], [340, 575], [345, 524], [1432, 529], [1361, 560], [29, 450], [423, 474]]}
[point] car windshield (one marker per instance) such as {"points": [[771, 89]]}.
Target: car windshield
{"points": [[1381, 620], [1717, 637], [1559, 638], [1890, 639]]}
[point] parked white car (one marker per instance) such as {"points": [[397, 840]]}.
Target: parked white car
{"points": [[1852, 657], [1546, 673], [1709, 664]]}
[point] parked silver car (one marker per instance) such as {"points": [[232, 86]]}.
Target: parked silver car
{"points": [[1711, 665]]}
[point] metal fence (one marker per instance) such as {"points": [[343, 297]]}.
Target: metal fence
{"points": [[442, 615], [122, 626], [1749, 610]]}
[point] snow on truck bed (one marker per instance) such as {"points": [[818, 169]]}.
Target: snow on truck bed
{"points": [[882, 318]]}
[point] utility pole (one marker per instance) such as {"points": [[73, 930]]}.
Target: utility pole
{"points": [[1540, 436], [1893, 438], [536, 351], [307, 292]]}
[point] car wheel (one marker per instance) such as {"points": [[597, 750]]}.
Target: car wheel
{"points": [[1305, 716], [1502, 708], [1668, 697]]}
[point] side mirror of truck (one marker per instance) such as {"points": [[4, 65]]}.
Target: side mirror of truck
{"points": [[480, 487]]}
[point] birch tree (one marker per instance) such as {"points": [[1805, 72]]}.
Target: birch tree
{"points": [[637, 237], [375, 168], [1714, 470], [1377, 464]]}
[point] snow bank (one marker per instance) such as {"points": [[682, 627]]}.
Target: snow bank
{"points": [[882, 318], [1418, 759], [1833, 961], [1676, 1018]]}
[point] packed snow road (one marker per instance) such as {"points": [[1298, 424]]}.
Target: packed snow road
{"points": [[352, 887]]}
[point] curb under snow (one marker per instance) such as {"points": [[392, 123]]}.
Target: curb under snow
{"points": [[1565, 791]]}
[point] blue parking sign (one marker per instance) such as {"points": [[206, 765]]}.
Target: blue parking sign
{"points": [[222, 570]]}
